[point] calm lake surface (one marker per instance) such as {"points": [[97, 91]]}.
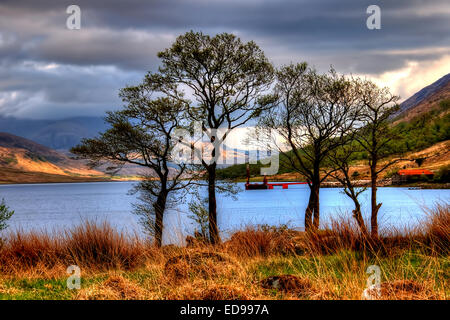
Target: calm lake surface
{"points": [[53, 207]]}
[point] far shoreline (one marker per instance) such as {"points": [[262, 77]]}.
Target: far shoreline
{"points": [[62, 182], [43, 178], [418, 185], [333, 184]]}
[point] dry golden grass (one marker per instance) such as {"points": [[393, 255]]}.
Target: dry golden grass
{"points": [[115, 287], [257, 263], [257, 241]]}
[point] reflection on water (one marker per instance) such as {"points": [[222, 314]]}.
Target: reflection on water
{"points": [[53, 207]]}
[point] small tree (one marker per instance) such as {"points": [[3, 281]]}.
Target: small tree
{"points": [[141, 134], [340, 160], [199, 215], [378, 106]]}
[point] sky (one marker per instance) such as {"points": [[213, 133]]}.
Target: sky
{"points": [[50, 72]]}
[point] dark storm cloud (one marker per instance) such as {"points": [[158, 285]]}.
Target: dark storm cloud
{"points": [[309, 26], [124, 37], [49, 91]]}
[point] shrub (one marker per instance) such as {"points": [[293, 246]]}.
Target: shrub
{"points": [[5, 215], [445, 104], [437, 228], [443, 175]]}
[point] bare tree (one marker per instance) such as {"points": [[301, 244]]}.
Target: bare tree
{"points": [[378, 107], [311, 112], [225, 77], [141, 134]]}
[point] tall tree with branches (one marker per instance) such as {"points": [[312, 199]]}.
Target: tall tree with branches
{"points": [[224, 76], [311, 112], [378, 107], [142, 134]]}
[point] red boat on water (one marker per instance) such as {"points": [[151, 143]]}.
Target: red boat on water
{"points": [[265, 184]]}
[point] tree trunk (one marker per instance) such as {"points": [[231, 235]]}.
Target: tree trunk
{"points": [[212, 205], [316, 217], [315, 189], [312, 210], [358, 216], [373, 201], [350, 191], [159, 207], [309, 211]]}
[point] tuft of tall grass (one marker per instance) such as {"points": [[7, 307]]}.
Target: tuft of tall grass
{"points": [[262, 241], [436, 228], [89, 245], [102, 246], [25, 251]]}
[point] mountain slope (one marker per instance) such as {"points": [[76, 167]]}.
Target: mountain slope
{"points": [[18, 154], [425, 100]]}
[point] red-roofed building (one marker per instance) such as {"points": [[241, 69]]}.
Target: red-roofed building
{"points": [[415, 172], [409, 175]]}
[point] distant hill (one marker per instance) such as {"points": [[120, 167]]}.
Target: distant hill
{"points": [[55, 134], [32, 149], [425, 100], [20, 157]]}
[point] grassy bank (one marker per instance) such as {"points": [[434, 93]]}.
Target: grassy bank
{"points": [[256, 263]]}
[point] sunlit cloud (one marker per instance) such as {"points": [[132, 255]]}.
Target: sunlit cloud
{"points": [[416, 75]]}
